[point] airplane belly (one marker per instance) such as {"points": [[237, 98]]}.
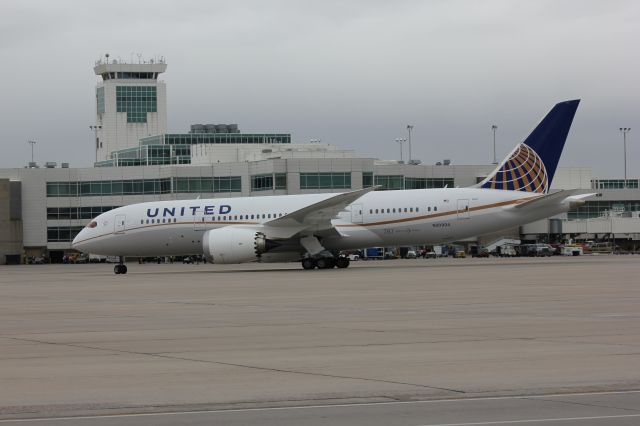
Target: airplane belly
{"points": [[158, 241]]}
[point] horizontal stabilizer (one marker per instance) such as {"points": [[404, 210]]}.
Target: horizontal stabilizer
{"points": [[560, 197]]}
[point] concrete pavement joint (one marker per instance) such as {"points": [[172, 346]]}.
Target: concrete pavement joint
{"points": [[254, 367], [356, 405]]}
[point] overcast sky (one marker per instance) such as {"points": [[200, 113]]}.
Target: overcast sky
{"points": [[351, 73]]}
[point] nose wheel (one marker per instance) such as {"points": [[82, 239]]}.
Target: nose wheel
{"points": [[120, 268]]}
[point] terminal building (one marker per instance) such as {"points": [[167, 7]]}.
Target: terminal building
{"points": [[137, 160]]}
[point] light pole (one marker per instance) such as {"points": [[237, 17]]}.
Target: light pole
{"points": [[401, 141], [624, 131], [95, 133], [409, 129], [32, 143], [494, 128]]}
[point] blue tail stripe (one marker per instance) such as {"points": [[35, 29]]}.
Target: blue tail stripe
{"points": [[548, 139]]}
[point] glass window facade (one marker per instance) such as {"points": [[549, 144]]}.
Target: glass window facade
{"points": [[396, 182], [367, 179], [208, 184], [136, 101], [109, 187], [262, 182], [268, 182], [336, 180], [64, 213], [144, 186], [595, 209], [614, 183], [281, 180], [221, 138], [425, 183], [62, 234], [100, 100], [389, 182]]}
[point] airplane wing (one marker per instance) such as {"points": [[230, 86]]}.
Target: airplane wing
{"points": [[315, 216], [574, 196]]}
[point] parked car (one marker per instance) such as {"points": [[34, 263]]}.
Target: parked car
{"points": [[411, 254], [430, 255]]}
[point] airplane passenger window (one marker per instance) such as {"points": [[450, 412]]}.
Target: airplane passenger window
{"points": [[147, 221], [394, 210], [251, 216], [428, 209], [435, 209], [263, 215], [388, 210], [417, 209], [174, 220], [405, 209], [376, 211], [269, 215], [235, 217], [411, 209]]}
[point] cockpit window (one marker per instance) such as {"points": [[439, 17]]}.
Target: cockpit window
{"points": [[92, 224]]}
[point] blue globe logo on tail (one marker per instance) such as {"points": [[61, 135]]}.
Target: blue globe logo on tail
{"points": [[532, 164], [523, 171]]}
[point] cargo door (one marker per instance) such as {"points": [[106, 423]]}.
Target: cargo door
{"points": [[356, 213], [463, 209]]}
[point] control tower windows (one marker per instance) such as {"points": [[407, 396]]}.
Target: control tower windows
{"points": [[136, 101]]}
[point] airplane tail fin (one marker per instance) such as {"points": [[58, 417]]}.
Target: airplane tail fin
{"points": [[530, 167]]}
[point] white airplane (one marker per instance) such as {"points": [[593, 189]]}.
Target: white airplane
{"points": [[309, 227]]}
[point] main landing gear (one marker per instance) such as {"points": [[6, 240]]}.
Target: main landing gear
{"points": [[319, 257], [120, 268], [325, 262]]}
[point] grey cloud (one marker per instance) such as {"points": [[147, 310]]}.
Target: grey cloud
{"points": [[351, 73]]}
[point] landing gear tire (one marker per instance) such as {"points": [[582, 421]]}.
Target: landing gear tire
{"points": [[342, 262], [325, 263], [120, 268], [308, 263]]}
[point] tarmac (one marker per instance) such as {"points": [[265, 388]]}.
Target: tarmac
{"points": [[379, 340]]}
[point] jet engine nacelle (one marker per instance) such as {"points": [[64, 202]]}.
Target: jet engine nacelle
{"points": [[234, 245]]}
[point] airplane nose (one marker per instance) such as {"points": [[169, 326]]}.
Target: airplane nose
{"points": [[76, 243]]}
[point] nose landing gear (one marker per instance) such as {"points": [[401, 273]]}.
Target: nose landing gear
{"points": [[120, 268]]}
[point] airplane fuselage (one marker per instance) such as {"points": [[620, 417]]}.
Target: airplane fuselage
{"points": [[379, 218]]}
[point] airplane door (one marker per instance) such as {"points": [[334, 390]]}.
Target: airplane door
{"points": [[119, 224], [463, 209], [356, 213]]}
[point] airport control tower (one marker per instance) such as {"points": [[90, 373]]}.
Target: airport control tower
{"points": [[130, 103]]}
